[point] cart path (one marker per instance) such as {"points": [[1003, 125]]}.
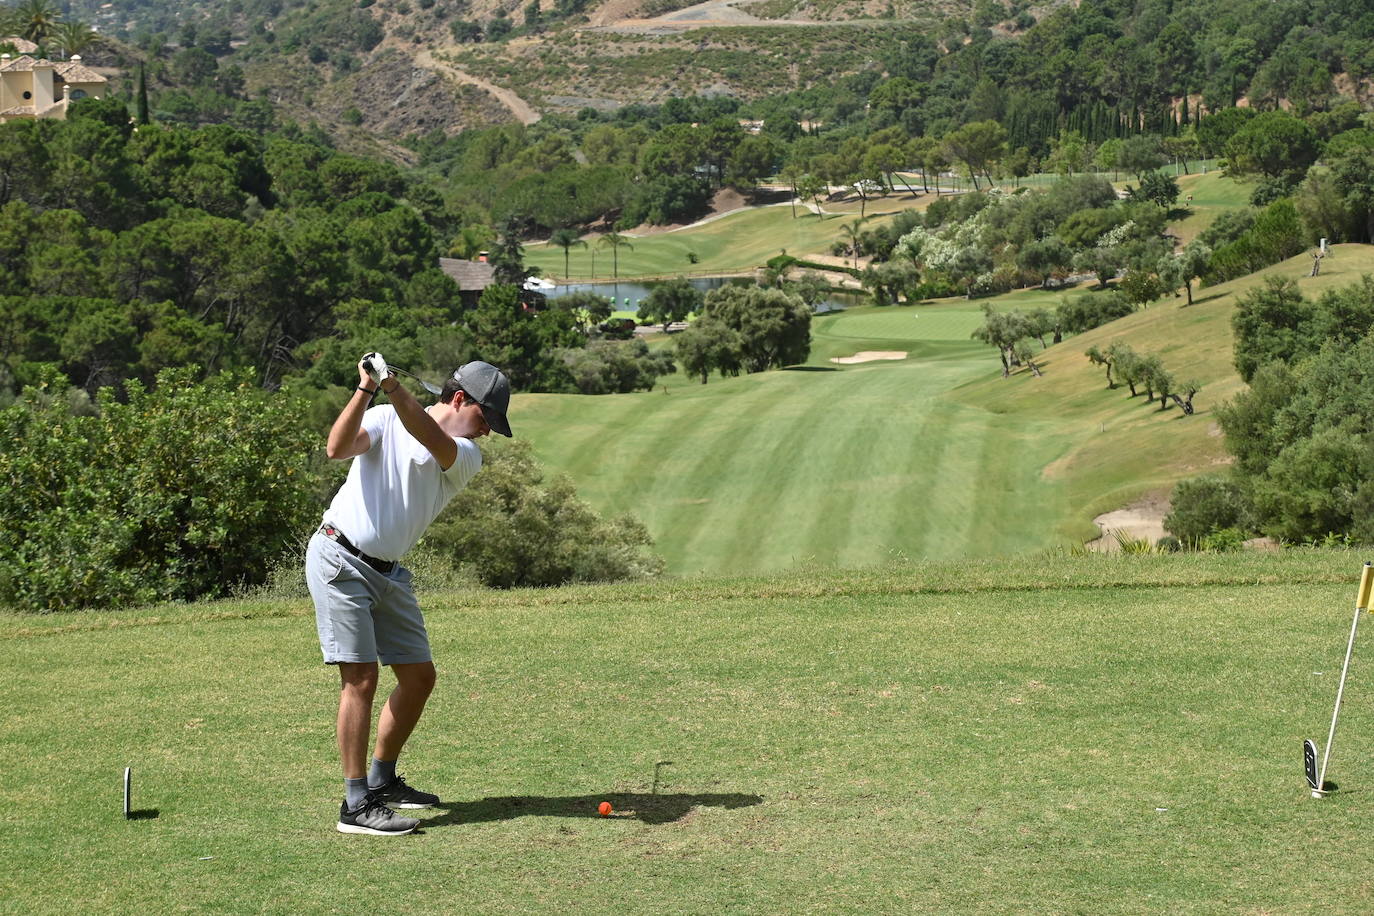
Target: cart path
{"points": [[516, 105]]}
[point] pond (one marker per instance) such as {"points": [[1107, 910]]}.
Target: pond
{"points": [[627, 295]]}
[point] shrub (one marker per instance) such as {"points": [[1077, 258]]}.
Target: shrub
{"points": [[1204, 505], [993, 283], [935, 289], [1093, 309], [607, 366], [1224, 540], [1277, 234], [512, 528], [187, 490]]}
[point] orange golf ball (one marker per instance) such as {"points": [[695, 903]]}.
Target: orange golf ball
{"points": [[604, 808]]}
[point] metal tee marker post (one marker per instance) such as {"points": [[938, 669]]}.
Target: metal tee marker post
{"points": [[1317, 780]]}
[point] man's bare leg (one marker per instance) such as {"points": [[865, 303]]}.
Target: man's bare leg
{"points": [[414, 684], [357, 689]]}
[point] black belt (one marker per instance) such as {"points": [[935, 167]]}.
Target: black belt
{"points": [[385, 567]]}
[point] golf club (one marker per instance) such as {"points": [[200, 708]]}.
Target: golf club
{"points": [[432, 389], [1318, 784]]}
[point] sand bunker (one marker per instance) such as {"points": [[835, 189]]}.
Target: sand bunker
{"points": [[1140, 520], [868, 356]]}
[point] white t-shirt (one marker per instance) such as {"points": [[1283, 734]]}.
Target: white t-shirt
{"points": [[396, 488]]}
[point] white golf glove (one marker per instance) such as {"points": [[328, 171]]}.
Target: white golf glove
{"points": [[375, 366]]}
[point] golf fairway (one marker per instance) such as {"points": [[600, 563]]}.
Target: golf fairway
{"points": [[825, 464]]}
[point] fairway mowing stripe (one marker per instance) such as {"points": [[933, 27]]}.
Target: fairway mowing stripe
{"points": [[1024, 498], [703, 455], [960, 473], [929, 528], [731, 462], [862, 516], [898, 521], [614, 412], [796, 477]]}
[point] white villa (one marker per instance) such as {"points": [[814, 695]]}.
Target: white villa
{"points": [[32, 88]]}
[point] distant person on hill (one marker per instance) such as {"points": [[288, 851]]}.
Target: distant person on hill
{"points": [[409, 462]]}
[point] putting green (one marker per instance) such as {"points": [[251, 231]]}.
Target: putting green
{"points": [[921, 323]]}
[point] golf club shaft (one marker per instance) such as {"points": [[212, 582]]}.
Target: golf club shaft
{"points": [[432, 389]]}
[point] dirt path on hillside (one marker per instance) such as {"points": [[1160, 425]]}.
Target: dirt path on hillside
{"points": [[702, 15], [517, 106]]}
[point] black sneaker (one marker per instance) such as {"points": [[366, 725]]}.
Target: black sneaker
{"points": [[397, 794], [374, 817]]}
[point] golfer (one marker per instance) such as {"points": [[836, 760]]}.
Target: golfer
{"points": [[409, 461]]}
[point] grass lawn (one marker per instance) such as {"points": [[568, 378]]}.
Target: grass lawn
{"points": [[1054, 735], [1212, 194]]}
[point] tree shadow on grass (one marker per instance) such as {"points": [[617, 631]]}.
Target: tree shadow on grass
{"points": [[640, 806], [809, 369]]}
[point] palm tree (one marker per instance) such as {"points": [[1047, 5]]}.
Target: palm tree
{"points": [[615, 241], [37, 19], [566, 239], [852, 235], [470, 242], [73, 37]]}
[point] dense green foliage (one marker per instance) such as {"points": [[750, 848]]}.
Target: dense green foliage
{"points": [[188, 489], [1303, 434], [607, 366], [1276, 323], [746, 329], [1202, 506], [126, 251]]}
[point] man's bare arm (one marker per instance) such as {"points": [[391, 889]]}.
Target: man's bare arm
{"points": [[347, 438]]}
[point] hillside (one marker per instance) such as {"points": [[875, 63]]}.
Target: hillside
{"points": [[612, 67], [1120, 449], [396, 68]]}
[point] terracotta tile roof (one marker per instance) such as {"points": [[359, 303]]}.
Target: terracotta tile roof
{"points": [[24, 62], [22, 45], [72, 71], [469, 275]]}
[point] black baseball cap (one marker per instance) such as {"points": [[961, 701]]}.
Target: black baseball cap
{"points": [[489, 387]]}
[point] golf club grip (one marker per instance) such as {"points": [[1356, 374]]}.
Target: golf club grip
{"points": [[1366, 584]]}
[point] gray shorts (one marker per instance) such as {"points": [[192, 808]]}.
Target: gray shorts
{"points": [[361, 614]]}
